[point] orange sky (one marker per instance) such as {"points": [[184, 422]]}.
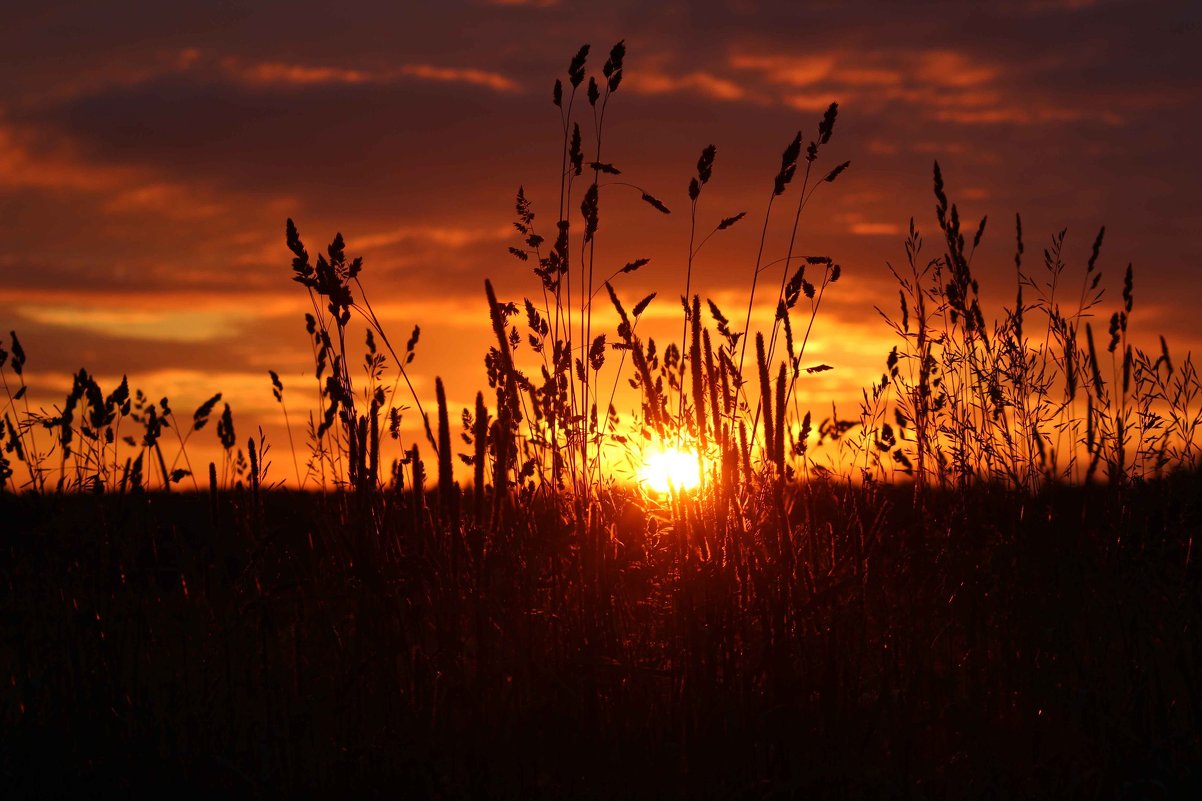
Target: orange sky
{"points": [[149, 159]]}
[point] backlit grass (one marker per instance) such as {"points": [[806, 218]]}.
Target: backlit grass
{"points": [[980, 582]]}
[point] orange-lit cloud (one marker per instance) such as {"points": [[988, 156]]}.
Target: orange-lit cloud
{"points": [[297, 74], [809, 102], [875, 229], [788, 70], [282, 73], [171, 200], [180, 325], [950, 68], [946, 85], [27, 160], [451, 237], [490, 80], [699, 83]]}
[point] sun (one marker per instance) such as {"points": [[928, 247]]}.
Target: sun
{"points": [[668, 468]]}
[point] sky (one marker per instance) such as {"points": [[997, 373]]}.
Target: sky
{"points": [[150, 154]]}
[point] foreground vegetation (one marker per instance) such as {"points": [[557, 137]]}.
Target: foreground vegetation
{"points": [[983, 583], [1038, 646]]}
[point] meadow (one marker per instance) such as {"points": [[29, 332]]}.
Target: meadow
{"points": [[979, 584]]}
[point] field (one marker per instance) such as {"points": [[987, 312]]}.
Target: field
{"points": [[982, 584], [994, 644]]}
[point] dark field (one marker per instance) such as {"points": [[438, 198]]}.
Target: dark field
{"points": [[988, 645]]}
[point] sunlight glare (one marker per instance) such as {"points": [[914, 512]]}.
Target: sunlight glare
{"points": [[670, 468]]}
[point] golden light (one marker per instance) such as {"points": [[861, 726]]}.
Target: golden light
{"points": [[668, 468]]}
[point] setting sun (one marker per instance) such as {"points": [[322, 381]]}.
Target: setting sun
{"points": [[670, 468]]}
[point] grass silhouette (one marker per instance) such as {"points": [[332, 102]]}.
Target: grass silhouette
{"points": [[983, 584]]}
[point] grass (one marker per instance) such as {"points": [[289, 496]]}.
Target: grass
{"points": [[982, 585]]}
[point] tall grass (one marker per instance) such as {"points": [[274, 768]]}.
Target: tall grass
{"points": [[983, 583]]}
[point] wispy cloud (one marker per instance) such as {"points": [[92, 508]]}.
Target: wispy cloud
{"points": [[650, 82], [945, 85], [807, 101], [178, 325], [29, 159], [950, 68], [889, 68], [277, 73], [789, 70], [490, 80], [875, 229], [438, 236], [172, 200], [1020, 115], [295, 74]]}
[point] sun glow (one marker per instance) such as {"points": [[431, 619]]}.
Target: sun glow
{"points": [[668, 468]]}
